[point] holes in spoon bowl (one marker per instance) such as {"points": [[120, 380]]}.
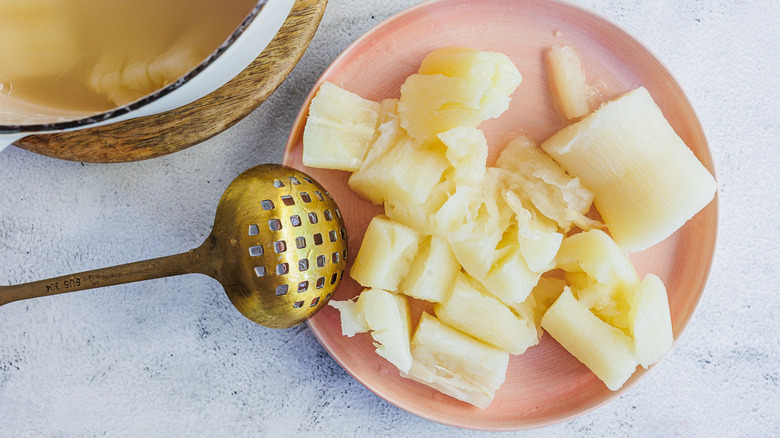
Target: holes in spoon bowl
{"points": [[297, 244]]}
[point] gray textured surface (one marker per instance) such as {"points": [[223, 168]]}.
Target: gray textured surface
{"points": [[172, 357]]}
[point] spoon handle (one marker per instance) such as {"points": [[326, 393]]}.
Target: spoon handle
{"points": [[185, 263]]}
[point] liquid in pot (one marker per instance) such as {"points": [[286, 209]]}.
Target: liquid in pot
{"points": [[94, 55]]}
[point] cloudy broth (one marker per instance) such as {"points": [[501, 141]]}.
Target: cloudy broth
{"points": [[93, 55]]}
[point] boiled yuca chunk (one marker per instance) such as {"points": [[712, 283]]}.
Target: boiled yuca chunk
{"points": [[455, 87], [339, 128], [475, 64], [568, 80], [647, 182], [474, 219], [650, 321], [455, 363], [605, 284], [556, 195], [386, 316], [604, 349], [123, 80], [385, 254], [509, 278], [467, 152], [432, 271], [472, 310], [538, 241], [421, 216], [608, 277], [612, 329], [596, 254], [431, 104], [390, 172], [396, 176], [352, 320]]}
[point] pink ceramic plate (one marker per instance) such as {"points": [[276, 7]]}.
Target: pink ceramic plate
{"points": [[546, 384]]}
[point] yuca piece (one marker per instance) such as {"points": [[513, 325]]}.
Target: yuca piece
{"points": [[496, 68], [647, 182], [467, 152], [339, 128], [539, 242], [390, 172], [352, 320], [535, 176], [568, 81], [604, 349], [650, 321], [468, 308], [432, 271], [121, 83], [474, 219], [386, 316], [456, 364], [456, 87], [596, 254], [385, 255], [613, 312]]}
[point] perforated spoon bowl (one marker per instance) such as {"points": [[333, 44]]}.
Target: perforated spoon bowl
{"points": [[278, 247]]}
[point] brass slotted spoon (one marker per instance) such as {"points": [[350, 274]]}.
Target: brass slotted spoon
{"points": [[278, 247]]}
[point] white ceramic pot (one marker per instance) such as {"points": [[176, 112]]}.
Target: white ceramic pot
{"points": [[232, 57]]}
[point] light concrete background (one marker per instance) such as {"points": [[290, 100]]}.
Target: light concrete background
{"points": [[172, 357]]}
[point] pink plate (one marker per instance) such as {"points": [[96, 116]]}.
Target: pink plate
{"points": [[546, 384]]}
